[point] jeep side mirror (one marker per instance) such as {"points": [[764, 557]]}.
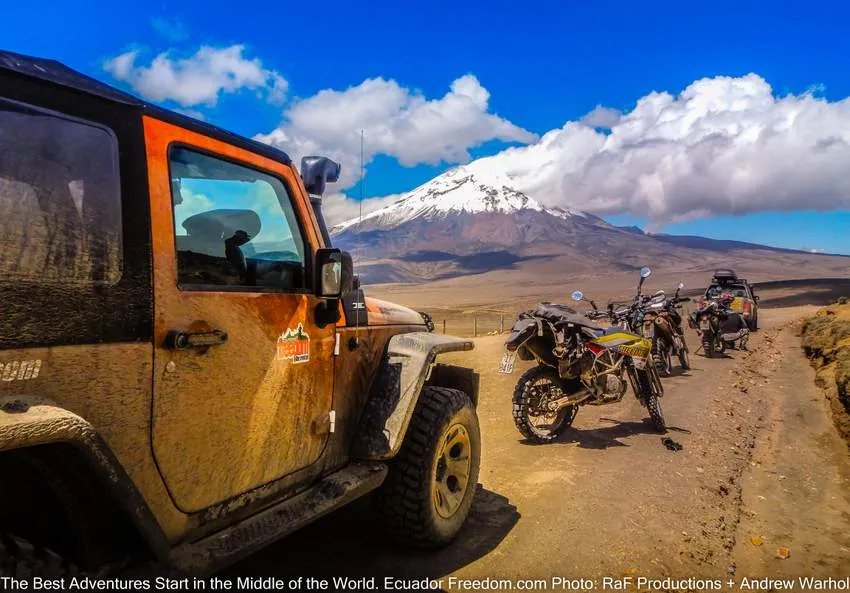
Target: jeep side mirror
{"points": [[348, 277], [335, 273]]}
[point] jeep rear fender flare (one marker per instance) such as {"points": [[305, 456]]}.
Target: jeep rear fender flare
{"points": [[395, 391], [29, 421]]}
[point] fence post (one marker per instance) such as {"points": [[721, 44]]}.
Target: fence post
{"points": [[475, 327], [501, 323], [444, 326]]}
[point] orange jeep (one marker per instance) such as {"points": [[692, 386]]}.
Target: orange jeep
{"points": [[188, 372]]}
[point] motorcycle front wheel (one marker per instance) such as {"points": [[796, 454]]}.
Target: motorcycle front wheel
{"points": [[650, 387], [535, 388], [708, 345]]}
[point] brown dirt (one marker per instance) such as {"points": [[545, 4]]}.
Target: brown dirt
{"points": [[826, 339], [760, 457]]}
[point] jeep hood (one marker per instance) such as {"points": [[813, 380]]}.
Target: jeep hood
{"points": [[386, 313]]}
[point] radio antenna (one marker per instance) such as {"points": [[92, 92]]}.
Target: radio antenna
{"points": [[362, 182], [360, 300]]}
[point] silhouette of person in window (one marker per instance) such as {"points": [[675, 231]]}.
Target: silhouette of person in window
{"points": [[233, 252]]}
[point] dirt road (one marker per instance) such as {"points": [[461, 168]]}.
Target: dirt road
{"points": [[760, 458]]}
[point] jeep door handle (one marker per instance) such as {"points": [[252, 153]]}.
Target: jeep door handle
{"points": [[180, 340]]}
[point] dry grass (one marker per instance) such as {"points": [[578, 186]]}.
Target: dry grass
{"points": [[826, 340]]}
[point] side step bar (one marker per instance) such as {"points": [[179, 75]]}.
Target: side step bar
{"points": [[246, 537]]}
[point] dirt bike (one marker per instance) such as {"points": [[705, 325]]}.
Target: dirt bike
{"points": [[718, 327], [662, 323], [578, 363]]}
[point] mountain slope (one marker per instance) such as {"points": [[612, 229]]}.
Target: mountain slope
{"points": [[456, 192], [470, 220]]}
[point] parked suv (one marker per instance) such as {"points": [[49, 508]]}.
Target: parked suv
{"points": [[745, 301], [187, 374]]}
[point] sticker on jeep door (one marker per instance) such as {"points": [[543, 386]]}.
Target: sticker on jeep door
{"points": [[294, 345], [19, 370]]}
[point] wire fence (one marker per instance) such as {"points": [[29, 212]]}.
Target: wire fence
{"points": [[474, 324]]}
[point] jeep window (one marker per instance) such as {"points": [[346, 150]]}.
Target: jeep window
{"points": [[233, 225], [60, 199]]}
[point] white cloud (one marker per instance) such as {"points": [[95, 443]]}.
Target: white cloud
{"points": [[602, 117], [337, 208], [200, 78], [723, 146], [191, 203], [191, 113], [396, 121]]}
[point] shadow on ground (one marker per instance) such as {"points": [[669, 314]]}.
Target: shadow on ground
{"points": [[351, 543], [609, 436]]}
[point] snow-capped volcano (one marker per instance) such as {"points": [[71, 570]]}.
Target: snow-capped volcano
{"points": [[471, 220], [462, 190], [468, 218]]}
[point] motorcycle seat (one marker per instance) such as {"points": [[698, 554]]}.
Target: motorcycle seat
{"points": [[607, 331], [559, 314]]}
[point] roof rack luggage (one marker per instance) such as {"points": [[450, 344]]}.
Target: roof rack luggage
{"points": [[723, 276]]}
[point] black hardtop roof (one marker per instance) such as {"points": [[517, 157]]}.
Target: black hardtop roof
{"points": [[57, 73]]}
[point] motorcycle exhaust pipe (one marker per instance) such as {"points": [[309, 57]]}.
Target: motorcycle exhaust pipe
{"points": [[569, 400]]}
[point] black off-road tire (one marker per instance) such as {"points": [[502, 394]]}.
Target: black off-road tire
{"points": [[651, 386], [522, 405], [21, 559], [708, 346], [405, 501], [684, 360], [653, 406], [661, 358], [754, 323], [429, 321]]}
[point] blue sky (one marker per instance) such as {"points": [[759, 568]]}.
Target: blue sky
{"points": [[543, 64]]}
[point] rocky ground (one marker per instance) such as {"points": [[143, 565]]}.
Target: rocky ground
{"points": [[760, 488]]}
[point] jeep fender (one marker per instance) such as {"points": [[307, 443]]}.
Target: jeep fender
{"points": [[395, 390], [28, 421]]}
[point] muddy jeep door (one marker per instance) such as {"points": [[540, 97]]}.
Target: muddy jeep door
{"points": [[243, 377]]}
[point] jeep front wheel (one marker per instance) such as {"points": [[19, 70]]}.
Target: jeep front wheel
{"points": [[431, 482], [19, 558]]}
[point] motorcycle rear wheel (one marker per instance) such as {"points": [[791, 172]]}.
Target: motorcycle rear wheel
{"points": [[684, 361], [532, 387], [662, 358]]}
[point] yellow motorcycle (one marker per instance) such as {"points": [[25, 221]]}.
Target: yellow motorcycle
{"points": [[578, 363]]}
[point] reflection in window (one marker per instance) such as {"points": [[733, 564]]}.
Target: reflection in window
{"points": [[233, 226], [60, 199]]}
